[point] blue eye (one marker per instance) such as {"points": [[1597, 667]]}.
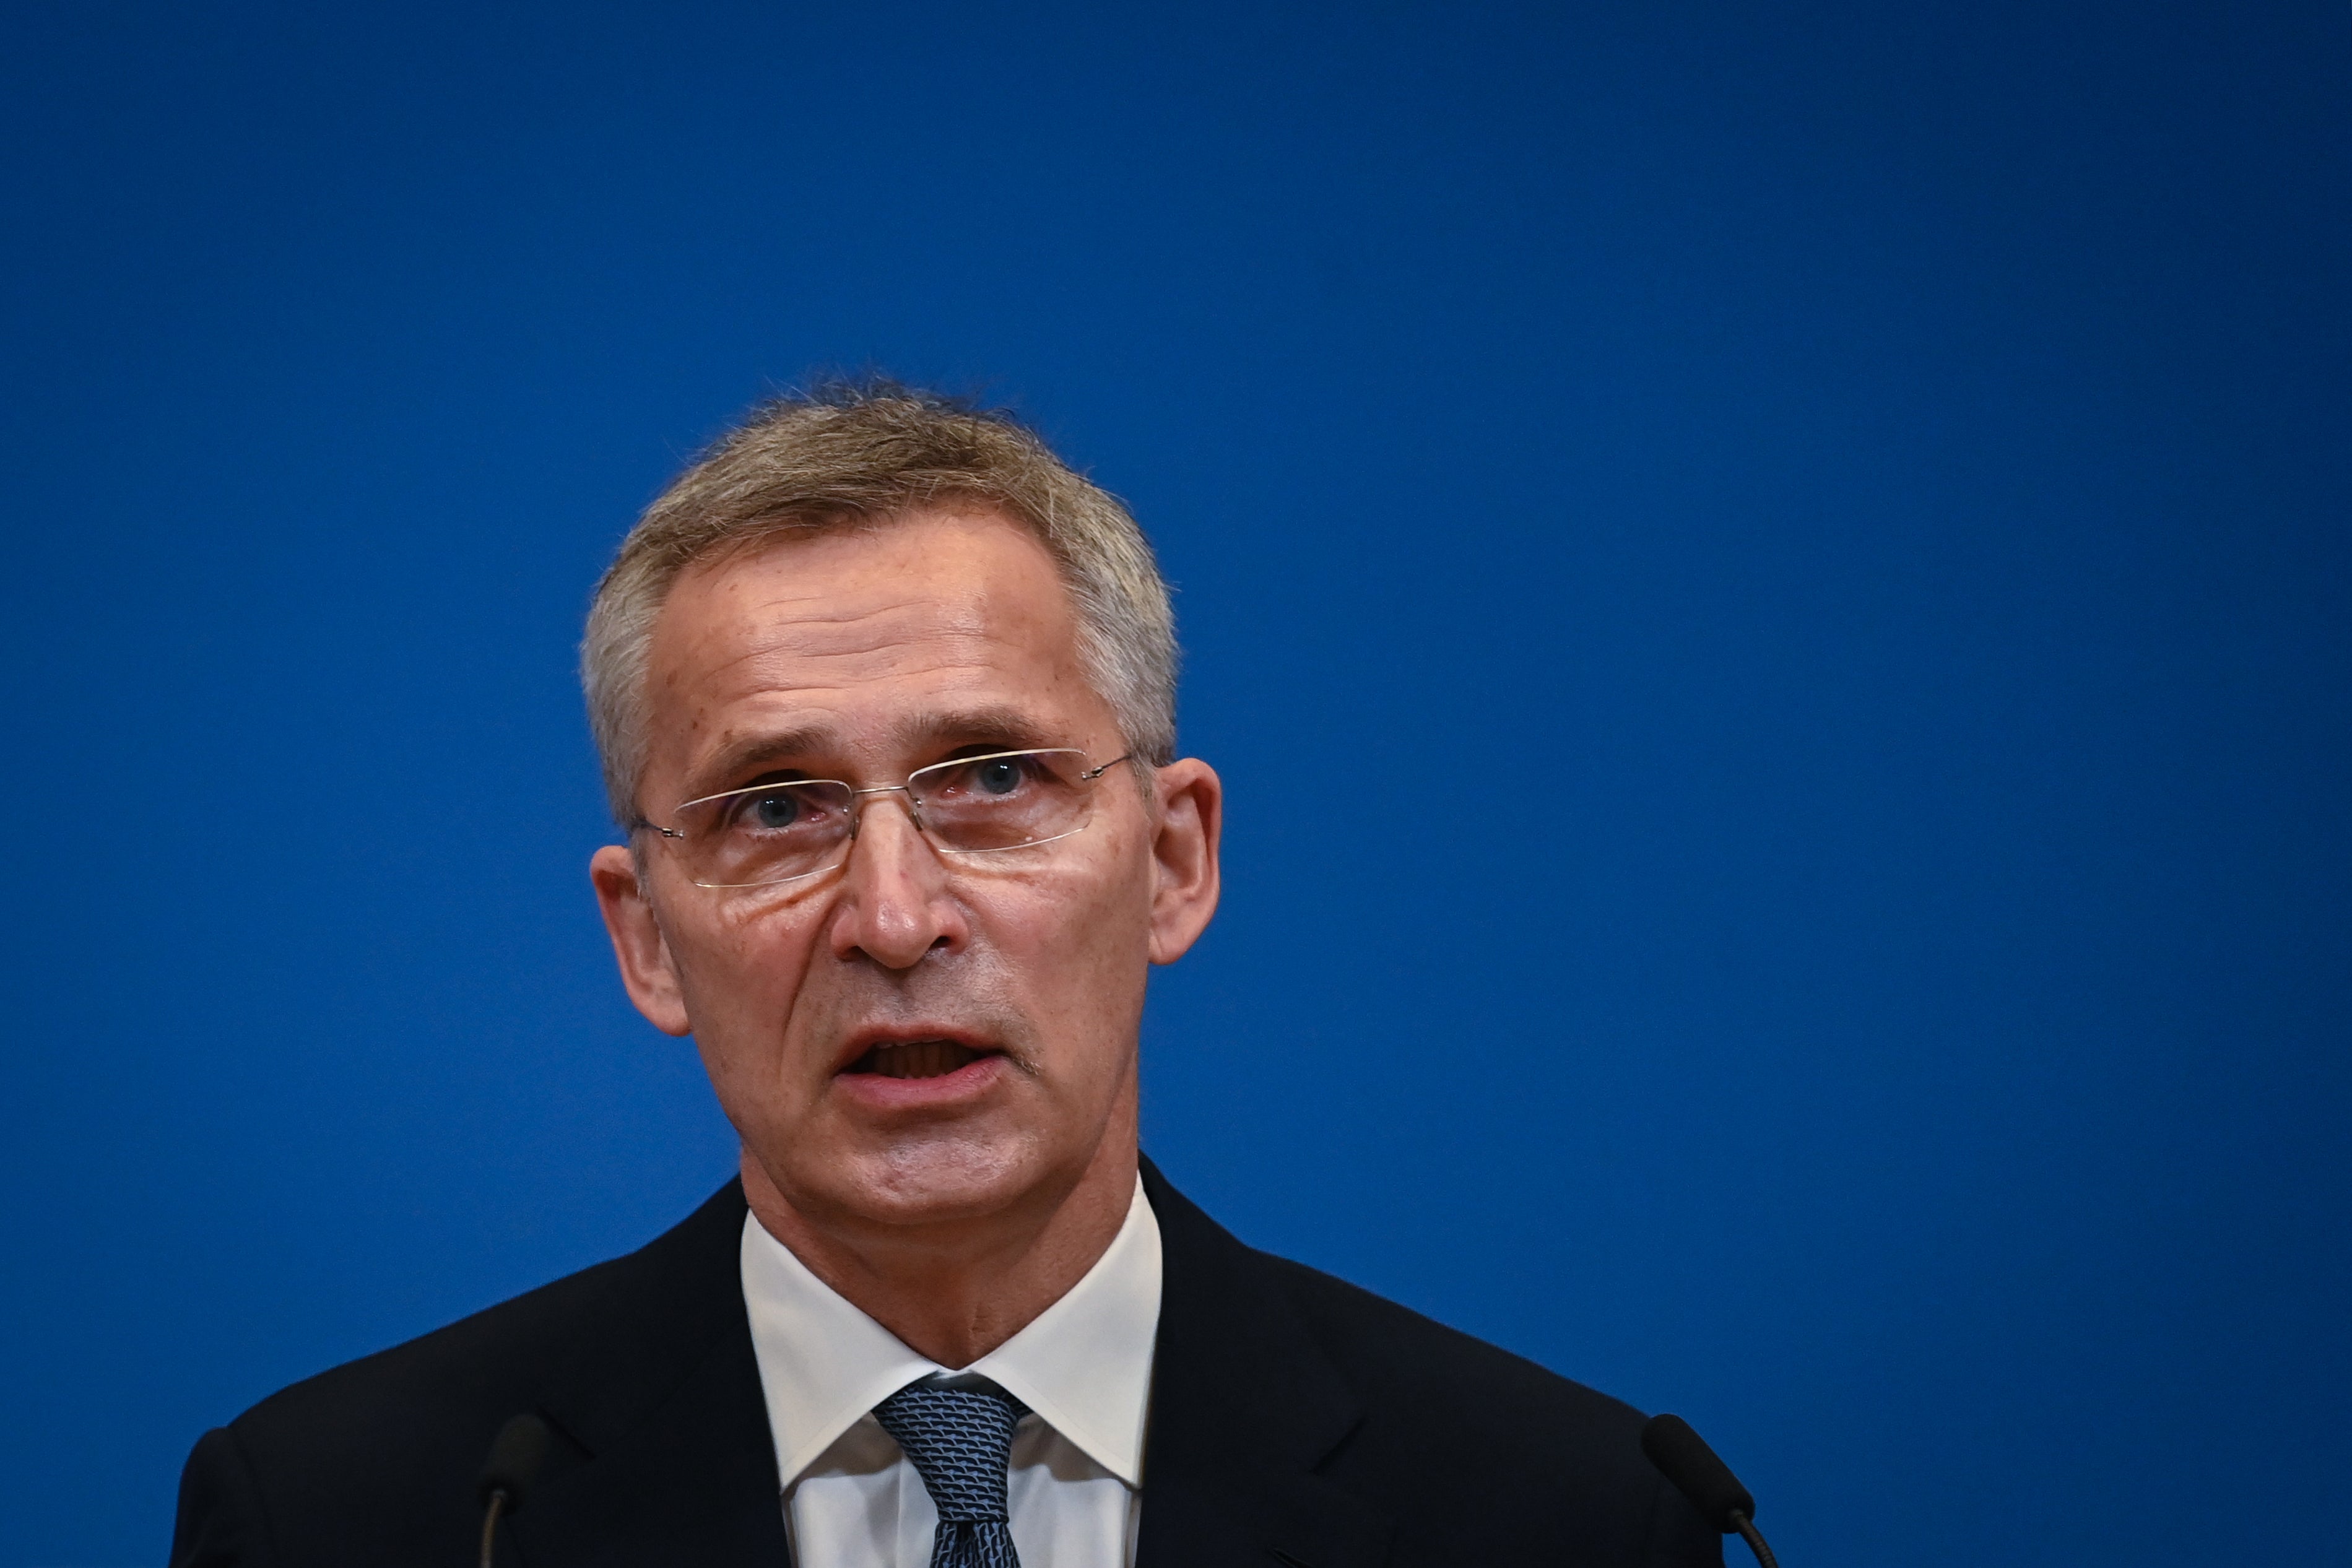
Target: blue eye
{"points": [[780, 810], [997, 776]]}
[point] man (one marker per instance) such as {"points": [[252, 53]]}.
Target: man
{"points": [[885, 695]]}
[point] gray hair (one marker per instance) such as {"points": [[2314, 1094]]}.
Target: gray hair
{"points": [[859, 455]]}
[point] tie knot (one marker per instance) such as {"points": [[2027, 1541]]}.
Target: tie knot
{"points": [[960, 1441]]}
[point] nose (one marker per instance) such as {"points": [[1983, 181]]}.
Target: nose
{"points": [[894, 905]]}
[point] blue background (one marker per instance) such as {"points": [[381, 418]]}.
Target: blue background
{"points": [[1769, 582]]}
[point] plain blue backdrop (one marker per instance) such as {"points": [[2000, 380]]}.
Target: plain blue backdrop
{"points": [[1769, 584]]}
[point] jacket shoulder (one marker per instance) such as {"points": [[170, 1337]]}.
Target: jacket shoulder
{"points": [[486, 1359], [386, 1448], [1502, 1451], [1394, 1356]]}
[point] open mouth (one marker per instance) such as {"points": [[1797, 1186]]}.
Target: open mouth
{"points": [[916, 1059]]}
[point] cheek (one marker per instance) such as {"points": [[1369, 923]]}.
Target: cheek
{"points": [[1082, 936], [747, 959]]}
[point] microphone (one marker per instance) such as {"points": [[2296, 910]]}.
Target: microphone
{"points": [[1682, 1457], [516, 1456]]}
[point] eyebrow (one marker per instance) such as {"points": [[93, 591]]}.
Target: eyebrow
{"points": [[753, 750], [994, 724]]}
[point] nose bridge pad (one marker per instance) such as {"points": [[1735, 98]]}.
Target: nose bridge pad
{"points": [[914, 808]]}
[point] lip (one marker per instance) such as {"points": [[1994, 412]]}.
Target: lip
{"points": [[968, 1082], [945, 1091], [865, 1039]]}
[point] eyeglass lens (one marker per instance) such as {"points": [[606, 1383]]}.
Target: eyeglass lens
{"points": [[789, 829]]}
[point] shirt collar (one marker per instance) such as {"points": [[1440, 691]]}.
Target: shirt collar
{"points": [[1084, 1364]]}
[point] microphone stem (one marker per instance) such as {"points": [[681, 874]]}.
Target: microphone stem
{"points": [[1739, 1521], [491, 1523]]}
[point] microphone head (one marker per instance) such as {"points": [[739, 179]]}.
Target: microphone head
{"points": [[1682, 1457], [516, 1457]]}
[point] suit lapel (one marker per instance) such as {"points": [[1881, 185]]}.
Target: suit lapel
{"points": [[1244, 1407], [669, 1457]]}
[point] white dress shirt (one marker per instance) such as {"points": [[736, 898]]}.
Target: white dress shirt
{"points": [[1083, 1368]]}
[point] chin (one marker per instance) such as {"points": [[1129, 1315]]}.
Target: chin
{"points": [[938, 1179]]}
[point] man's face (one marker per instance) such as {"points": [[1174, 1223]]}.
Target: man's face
{"points": [[912, 1037]]}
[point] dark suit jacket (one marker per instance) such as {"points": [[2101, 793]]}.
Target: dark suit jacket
{"points": [[1294, 1420]]}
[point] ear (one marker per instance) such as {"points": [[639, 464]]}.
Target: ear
{"points": [[1184, 855], [646, 968]]}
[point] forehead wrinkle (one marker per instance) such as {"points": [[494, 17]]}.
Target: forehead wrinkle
{"points": [[790, 615], [884, 614], [825, 672], [967, 612], [965, 700], [791, 603], [934, 649], [764, 654]]}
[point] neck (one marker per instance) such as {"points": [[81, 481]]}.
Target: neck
{"points": [[955, 1291]]}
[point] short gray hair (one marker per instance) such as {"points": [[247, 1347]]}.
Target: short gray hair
{"points": [[861, 454]]}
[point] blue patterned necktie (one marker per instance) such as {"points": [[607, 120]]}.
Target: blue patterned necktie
{"points": [[960, 1441]]}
